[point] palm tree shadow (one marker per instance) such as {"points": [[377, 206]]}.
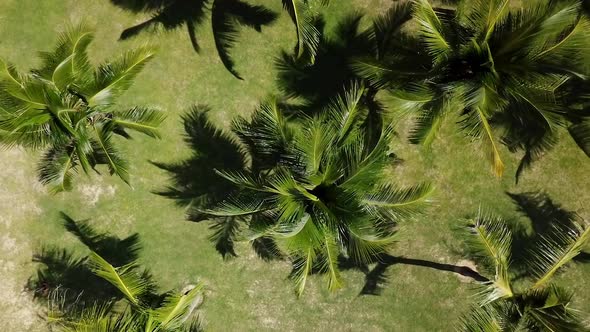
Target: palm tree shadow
{"points": [[546, 217], [65, 271], [376, 278], [173, 14], [194, 182]]}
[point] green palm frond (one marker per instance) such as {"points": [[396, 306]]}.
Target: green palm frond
{"points": [[125, 278], [303, 16], [431, 29], [144, 120], [68, 63], [483, 319], [397, 203], [348, 112], [56, 168], [112, 79], [106, 153], [174, 311], [491, 241], [365, 243], [550, 309], [237, 206], [484, 15], [555, 250], [329, 262]]}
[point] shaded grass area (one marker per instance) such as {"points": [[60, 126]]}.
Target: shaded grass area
{"points": [[246, 293]]}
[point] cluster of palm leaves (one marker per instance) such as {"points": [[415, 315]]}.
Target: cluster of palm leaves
{"points": [[506, 73], [136, 306], [68, 109], [520, 295], [314, 187]]}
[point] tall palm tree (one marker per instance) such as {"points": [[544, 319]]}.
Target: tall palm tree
{"points": [[68, 108], [315, 188], [504, 71], [136, 307], [535, 304], [226, 18]]}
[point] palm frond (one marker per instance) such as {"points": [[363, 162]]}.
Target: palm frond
{"points": [[303, 17], [491, 241], [175, 310], [56, 168], [125, 278], [365, 244], [431, 29], [112, 79], [106, 153], [329, 262], [347, 111], [483, 319], [556, 249], [397, 203], [68, 63], [144, 120]]}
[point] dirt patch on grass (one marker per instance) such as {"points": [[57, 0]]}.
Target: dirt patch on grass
{"points": [[18, 193]]}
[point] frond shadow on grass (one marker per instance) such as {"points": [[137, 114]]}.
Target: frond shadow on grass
{"points": [[65, 271], [195, 184], [546, 217], [226, 17]]}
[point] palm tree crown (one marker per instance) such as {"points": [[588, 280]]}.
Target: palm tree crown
{"points": [[503, 70], [509, 305], [68, 109], [315, 188]]}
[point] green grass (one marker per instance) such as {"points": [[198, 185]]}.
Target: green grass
{"points": [[246, 293]]}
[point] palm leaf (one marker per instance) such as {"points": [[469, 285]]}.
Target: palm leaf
{"points": [[125, 278], [107, 154], [175, 309], [491, 241], [112, 79], [141, 119], [483, 319], [56, 168], [68, 62], [303, 17], [398, 203], [556, 249], [430, 27], [329, 262]]}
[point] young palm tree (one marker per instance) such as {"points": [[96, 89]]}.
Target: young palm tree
{"points": [[226, 18], [315, 188], [503, 70], [68, 109], [136, 308], [508, 305]]}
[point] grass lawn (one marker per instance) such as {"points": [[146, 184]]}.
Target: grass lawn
{"points": [[245, 293]]}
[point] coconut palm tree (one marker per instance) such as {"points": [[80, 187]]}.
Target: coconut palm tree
{"points": [[315, 188], [68, 109], [226, 18], [172, 313], [135, 306], [502, 70], [535, 304]]}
